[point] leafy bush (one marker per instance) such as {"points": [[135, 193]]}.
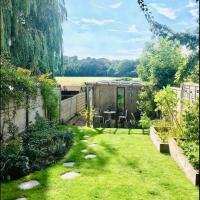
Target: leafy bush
{"points": [[144, 122], [191, 122], [12, 162], [49, 96], [166, 102], [42, 144], [165, 129], [16, 84], [191, 150], [146, 104]]}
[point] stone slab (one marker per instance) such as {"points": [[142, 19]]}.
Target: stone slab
{"points": [[90, 156], [69, 164], [28, 185], [70, 175], [23, 198], [84, 151], [92, 145]]}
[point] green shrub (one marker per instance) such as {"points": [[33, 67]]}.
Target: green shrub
{"points": [[146, 104], [166, 130], [191, 150], [12, 162], [166, 102], [144, 122], [51, 99], [191, 122], [44, 144], [41, 145]]}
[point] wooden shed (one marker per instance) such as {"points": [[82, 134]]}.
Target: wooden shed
{"points": [[113, 95]]}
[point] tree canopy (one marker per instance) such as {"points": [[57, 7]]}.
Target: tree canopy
{"points": [[160, 62], [98, 67], [31, 33], [188, 39]]}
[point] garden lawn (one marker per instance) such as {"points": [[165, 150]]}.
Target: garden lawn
{"points": [[127, 167]]}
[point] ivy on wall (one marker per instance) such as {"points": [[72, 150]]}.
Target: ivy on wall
{"points": [[19, 86]]}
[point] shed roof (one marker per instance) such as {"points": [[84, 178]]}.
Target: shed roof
{"points": [[117, 83]]}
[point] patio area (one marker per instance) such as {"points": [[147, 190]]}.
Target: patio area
{"points": [[114, 102]]}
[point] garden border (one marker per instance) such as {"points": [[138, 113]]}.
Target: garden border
{"points": [[177, 154], [158, 143]]}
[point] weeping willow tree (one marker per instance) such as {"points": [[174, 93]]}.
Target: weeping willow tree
{"points": [[31, 33]]}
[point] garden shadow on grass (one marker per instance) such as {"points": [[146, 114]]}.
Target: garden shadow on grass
{"points": [[75, 154]]}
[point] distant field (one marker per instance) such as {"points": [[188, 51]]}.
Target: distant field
{"points": [[79, 81]]}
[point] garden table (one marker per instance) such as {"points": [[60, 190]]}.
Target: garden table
{"points": [[109, 113]]}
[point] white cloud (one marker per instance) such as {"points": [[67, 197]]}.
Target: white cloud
{"points": [[116, 5], [191, 4], [96, 21], [132, 29], [194, 12], [167, 12]]}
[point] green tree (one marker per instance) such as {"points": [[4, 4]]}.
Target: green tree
{"points": [[31, 33], [188, 39], [160, 62]]}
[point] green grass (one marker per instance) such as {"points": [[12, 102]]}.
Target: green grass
{"points": [[127, 167]]}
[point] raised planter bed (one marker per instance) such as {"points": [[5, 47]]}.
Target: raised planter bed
{"points": [[159, 144], [177, 154]]}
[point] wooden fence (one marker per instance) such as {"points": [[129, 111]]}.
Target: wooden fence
{"points": [[72, 106]]}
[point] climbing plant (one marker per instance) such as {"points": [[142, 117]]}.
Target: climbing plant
{"points": [[31, 33], [16, 83], [50, 97]]}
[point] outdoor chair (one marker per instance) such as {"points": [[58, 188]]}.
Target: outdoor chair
{"points": [[123, 117], [99, 117], [132, 120]]}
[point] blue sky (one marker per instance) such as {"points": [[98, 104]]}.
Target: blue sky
{"points": [[117, 29]]}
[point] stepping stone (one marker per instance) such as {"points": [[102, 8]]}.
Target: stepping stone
{"points": [[84, 140], [84, 151], [23, 198], [28, 185], [86, 136], [90, 156], [92, 145], [69, 164], [69, 175]]}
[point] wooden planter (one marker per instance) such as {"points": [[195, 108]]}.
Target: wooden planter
{"points": [[177, 154], [159, 144]]}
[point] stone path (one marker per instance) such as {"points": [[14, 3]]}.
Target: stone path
{"points": [[84, 151], [90, 156], [92, 145], [69, 164], [28, 185], [86, 136], [70, 175], [23, 198]]}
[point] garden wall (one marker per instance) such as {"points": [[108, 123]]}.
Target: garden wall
{"points": [[23, 115], [72, 106]]}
